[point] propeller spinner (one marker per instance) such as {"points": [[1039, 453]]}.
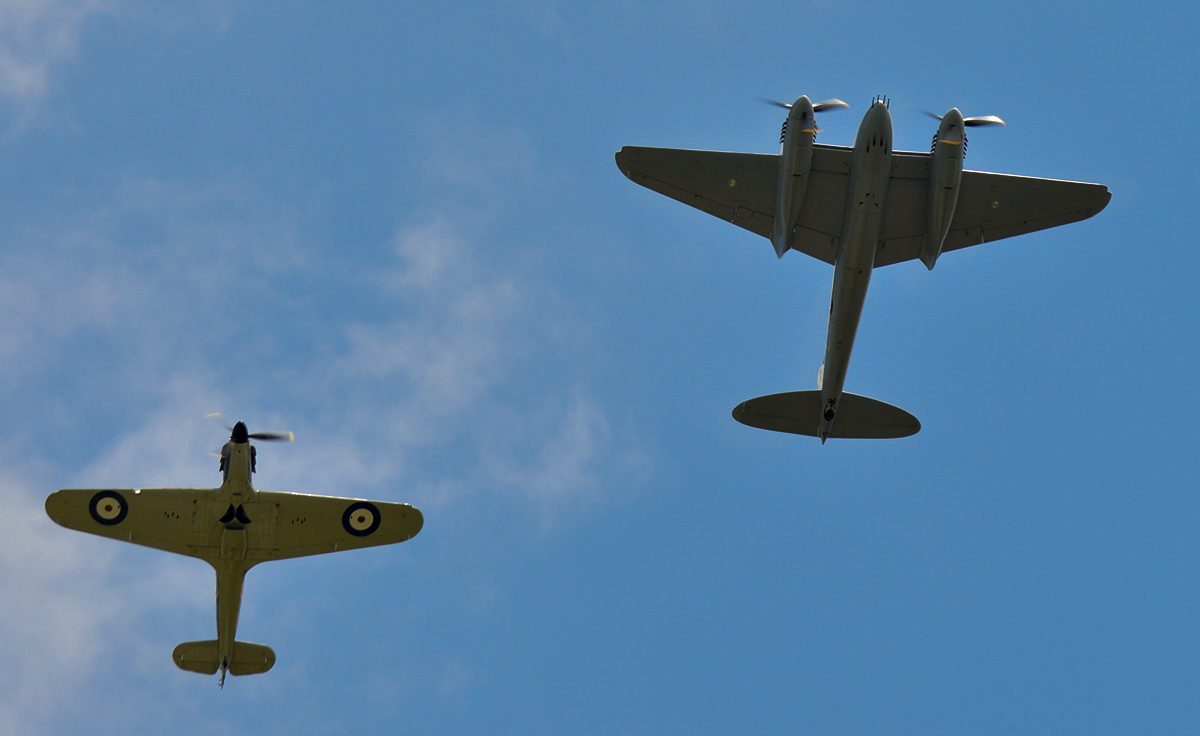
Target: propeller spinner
{"points": [[971, 122], [240, 434], [831, 104], [802, 111]]}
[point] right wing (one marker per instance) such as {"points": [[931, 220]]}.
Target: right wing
{"points": [[300, 524], [736, 187], [740, 188], [162, 518]]}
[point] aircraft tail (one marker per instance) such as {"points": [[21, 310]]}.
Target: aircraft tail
{"points": [[799, 412], [205, 658]]}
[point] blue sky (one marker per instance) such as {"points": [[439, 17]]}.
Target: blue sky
{"points": [[397, 230]]}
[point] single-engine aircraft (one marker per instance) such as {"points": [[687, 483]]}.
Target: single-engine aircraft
{"points": [[233, 528], [857, 209]]}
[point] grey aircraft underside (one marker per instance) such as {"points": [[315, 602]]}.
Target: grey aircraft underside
{"points": [[856, 208], [233, 528]]}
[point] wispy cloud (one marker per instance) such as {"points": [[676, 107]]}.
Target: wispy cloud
{"points": [[558, 458], [113, 332], [69, 608], [445, 375], [37, 37], [447, 345], [456, 382]]}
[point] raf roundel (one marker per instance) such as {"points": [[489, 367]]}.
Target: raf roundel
{"points": [[108, 508], [361, 518]]}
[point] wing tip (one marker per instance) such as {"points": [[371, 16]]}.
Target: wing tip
{"points": [[622, 159], [53, 506], [418, 522]]}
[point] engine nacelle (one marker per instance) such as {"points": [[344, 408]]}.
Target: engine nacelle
{"points": [[795, 160], [945, 176]]}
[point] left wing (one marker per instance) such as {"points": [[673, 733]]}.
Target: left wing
{"points": [[162, 518], [301, 524], [990, 207]]}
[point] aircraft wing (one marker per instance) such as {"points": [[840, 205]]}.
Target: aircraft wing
{"points": [[304, 524], [187, 521], [990, 207], [740, 188], [162, 518], [736, 187]]}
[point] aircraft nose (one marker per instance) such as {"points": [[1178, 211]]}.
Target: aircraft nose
{"points": [[240, 434], [879, 112]]}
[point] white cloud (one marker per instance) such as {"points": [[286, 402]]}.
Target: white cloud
{"points": [[62, 618], [431, 403], [169, 448], [37, 37], [158, 278], [138, 313], [452, 344], [116, 324]]}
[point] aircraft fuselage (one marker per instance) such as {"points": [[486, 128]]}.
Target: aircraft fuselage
{"points": [[866, 194], [237, 463]]}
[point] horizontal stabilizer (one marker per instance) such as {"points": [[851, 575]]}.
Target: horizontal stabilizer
{"points": [[799, 412], [204, 657], [198, 656], [251, 659]]}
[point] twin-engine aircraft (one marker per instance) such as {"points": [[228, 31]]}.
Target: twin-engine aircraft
{"points": [[857, 208], [233, 528]]}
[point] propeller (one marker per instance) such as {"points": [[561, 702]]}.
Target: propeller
{"points": [[971, 122], [272, 436], [822, 106], [239, 429]]}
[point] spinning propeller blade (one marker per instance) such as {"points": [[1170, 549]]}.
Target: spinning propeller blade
{"points": [[282, 436], [983, 120], [974, 122], [831, 104], [776, 103], [238, 432], [216, 417]]}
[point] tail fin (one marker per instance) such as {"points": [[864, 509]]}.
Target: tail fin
{"points": [[205, 658], [799, 412]]}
